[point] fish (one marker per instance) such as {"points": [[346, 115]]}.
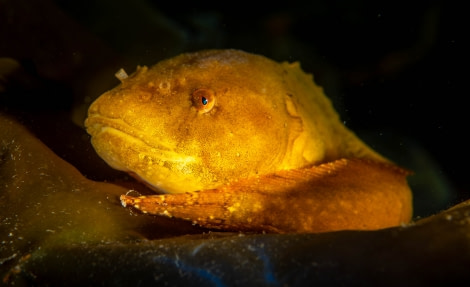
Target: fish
{"points": [[232, 140]]}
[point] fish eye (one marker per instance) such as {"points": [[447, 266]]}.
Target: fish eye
{"points": [[203, 100]]}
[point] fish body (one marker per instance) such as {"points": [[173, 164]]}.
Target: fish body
{"points": [[213, 128]]}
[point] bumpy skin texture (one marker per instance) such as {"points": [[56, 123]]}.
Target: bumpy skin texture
{"points": [[224, 123]]}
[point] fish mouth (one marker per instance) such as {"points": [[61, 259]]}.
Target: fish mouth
{"points": [[97, 124], [126, 148]]}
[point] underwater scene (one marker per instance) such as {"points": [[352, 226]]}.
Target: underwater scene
{"points": [[313, 143]]}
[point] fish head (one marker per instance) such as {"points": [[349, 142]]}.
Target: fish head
{"points": [[198, 121]]}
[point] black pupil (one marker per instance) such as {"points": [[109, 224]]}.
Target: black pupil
{"points": [[204, 101]]}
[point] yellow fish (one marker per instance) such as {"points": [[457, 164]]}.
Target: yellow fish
{"points": [[240, 142]]}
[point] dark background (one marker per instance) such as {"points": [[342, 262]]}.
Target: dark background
{"points": [[395, 70]]}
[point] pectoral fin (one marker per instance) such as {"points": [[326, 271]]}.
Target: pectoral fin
{"points": [[344, 194]]}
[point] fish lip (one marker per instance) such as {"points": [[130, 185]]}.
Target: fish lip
{"points": [[97, 124], [160, 154]]}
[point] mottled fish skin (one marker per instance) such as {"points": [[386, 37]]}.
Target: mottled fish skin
{"points": [[199, 125]]}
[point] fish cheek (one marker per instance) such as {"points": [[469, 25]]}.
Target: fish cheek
{"points": [[232, 141], [249, 144]]}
